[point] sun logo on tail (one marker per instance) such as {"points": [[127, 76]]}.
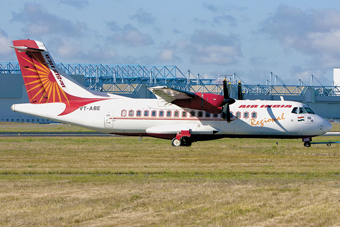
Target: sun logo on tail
{"points": [[40, 82]]}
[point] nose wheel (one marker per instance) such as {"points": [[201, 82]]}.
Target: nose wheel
{"points": [[307, 141]]}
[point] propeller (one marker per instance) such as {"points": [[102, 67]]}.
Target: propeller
{"points": [[239, 91], [226, 102]]}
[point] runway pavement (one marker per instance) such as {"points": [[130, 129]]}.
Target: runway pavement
{"points": [[53, 134]]}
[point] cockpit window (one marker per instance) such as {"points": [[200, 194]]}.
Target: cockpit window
{"points": [[309, 110], [302, 110], [305, 110], [294, 111]]}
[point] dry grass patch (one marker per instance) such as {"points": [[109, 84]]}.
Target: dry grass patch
{"points": [[125, 182], [142, 200]]}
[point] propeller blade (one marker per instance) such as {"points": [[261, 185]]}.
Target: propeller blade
{"points": [[226, 113], [225, 89], [226, 102], [227, 99], [239, 91]]}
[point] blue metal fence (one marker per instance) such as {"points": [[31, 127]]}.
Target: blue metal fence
{"points": [[105, 77]]}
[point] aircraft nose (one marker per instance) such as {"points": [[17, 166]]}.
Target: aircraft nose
{"points": [[326, 126]]}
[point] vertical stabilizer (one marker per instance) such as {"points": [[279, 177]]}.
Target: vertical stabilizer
{"points": [[45, 82], [30, 57]]}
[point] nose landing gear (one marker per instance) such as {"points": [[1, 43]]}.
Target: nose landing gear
{"points": [[307, 141], [306, 144]]}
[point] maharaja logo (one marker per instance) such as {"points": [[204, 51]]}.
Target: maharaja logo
{"points": [[264, 121]]}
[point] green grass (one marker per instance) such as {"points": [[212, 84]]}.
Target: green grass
{"points": [[336, 127], [121, 181]]}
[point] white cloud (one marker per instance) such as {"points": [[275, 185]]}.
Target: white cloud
{"points": [[211, 47], [129, 36], [38, 22], [313, 33], [144, 17], [78, 4], [5, 44]]}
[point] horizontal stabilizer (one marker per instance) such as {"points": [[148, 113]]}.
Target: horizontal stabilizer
{"points": [[24, 49]]}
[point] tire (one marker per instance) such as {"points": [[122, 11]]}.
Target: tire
{"points": [[306, 144], [186, 141], [175, 142]]}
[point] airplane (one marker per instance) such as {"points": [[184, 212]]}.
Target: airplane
{"points": [[180, 116]]}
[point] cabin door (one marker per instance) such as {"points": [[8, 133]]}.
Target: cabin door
{"points": [[108, 119]]}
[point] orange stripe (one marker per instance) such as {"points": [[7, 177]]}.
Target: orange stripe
{"points": [[34, 88], [40, 91]]}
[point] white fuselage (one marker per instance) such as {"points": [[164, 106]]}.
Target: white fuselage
{"points": [[154, 117]]}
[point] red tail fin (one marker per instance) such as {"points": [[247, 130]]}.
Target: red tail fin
{"points": [[46, 83], [32, 65], [40, 83]]}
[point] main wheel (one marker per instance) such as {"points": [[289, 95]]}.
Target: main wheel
{"points": [[306, 144], [186, 141], [175, 142]]}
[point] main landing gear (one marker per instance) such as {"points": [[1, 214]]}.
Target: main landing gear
{"points": [[182, 139]]}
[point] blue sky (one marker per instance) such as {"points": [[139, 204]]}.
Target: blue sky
{"points": [[292, 39]]}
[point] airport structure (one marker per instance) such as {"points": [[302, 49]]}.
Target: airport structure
{"points": [[133, 81]]}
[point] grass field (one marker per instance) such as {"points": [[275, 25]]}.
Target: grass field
{"points": [[120, 181]]}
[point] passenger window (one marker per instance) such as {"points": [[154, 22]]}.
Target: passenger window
{"points": [[207, 115], [184, 114], [168, 113], [294, 111], [238, 114], [138, 113], [245, 114], [200, 114], [176, 113], [161, 113], [192, 113], [153, 113], [146, 113]]}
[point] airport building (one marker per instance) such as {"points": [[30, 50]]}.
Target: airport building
{"points": [[133, 81]]}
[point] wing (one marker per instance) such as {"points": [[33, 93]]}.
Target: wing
{"points": [[171, 94], [199, 101]]}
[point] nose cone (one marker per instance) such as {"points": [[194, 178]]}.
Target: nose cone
{"points": [[326, 126], [13, 107]]}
